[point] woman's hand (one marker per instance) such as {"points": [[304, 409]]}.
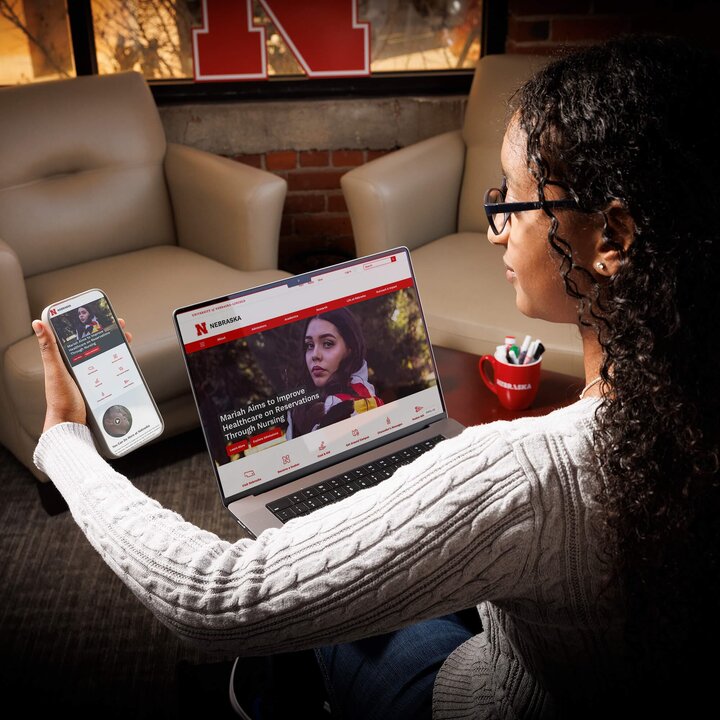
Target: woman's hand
{"points": [[62, 395]]}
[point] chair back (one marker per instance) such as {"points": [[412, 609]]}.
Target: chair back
{"points": [[496, 79], [81, 175]]}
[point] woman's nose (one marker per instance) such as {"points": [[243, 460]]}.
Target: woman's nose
{"points": [[502, 238]]}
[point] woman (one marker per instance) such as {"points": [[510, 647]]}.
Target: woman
{"points": [[335, 367], [588, 538], [86, 323]]}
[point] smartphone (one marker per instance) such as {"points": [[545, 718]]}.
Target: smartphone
{"points": [[122, 413]]}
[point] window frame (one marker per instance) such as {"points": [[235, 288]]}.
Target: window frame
{"points": [[432, 82]]}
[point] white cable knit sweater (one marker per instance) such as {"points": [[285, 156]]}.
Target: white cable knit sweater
{"points": [[503, 516]]}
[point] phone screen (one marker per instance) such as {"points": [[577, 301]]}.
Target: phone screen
{"points": [[99, 358]]}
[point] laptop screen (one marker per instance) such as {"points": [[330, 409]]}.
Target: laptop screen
{"points": [[298, 374]]}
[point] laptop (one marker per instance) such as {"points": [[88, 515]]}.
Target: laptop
{"points": [[312, 388]]}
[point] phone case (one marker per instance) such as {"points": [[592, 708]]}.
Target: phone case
{"points": [[118, 419]]}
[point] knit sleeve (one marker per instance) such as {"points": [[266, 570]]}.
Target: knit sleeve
{"points": [[442, 534]]}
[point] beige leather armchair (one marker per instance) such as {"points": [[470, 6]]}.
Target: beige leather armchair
{"points": [[429, 197], [91, 195]]}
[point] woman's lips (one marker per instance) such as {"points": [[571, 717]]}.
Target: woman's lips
{"points": [[317, 370], [509, 273]]}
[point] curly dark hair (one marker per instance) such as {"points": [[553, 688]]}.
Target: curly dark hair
{"points": [[630, 121]]}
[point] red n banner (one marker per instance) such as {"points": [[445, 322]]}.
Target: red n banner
{"points": [[325, 37]]}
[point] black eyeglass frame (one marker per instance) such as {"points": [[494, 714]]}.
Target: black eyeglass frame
{"points": [[508, 208]]}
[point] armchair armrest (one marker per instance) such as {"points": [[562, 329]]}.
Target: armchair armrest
{"points": [[15, 316], [225, 210], [408, 197]]}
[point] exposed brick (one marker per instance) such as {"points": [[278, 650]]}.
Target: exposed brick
{"points": [[254, 160], [281, 160], [623, 7], [314, 180], [528, 30], [548, 7], [300, 254], [700, 26], [588, 28], [286, 225], [346, 243], [375, 154], [307, 245], [530, 48], [348, 158], [336, 203], [323, 225], [305, 203], [315, 158]]}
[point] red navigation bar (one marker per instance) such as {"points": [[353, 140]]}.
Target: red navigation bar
{"points": [[241, 332]]}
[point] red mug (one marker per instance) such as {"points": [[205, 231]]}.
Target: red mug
{"points": [[515, 385]]}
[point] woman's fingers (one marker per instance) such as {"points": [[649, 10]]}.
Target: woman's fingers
{"points": [[62, 395], [128, 334], [63, 398]]}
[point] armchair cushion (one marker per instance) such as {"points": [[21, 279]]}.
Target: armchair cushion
{"points": [[82, 172]]}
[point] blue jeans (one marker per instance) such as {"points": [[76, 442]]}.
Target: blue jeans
{"points": [[390, 677]]}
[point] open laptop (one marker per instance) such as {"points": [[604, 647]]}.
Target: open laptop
{"points": [[314, 387]]}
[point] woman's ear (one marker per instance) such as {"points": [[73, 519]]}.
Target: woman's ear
{"points": [[615, 239]]}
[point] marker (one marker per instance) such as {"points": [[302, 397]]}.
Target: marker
{"points": [[530, 356], [509, 340], [524, 349], [512, 355], [540, 350]]}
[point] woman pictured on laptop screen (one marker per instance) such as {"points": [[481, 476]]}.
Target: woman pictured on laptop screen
{"points": [[588, 538], [335, 366]]}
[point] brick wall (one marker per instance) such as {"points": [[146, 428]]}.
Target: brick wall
{"points": [[536, 26], [316, 229], [311, 144]]}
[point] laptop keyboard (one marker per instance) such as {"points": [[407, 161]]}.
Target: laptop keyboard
{"points": [[330, 491]]}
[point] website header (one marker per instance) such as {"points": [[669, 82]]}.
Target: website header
{"points": [[294, 300]]}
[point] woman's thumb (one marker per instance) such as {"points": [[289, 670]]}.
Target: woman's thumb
{"points": [[46, 341]]}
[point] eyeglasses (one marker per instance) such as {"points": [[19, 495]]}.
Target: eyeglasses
{"points": [[498, 211]]}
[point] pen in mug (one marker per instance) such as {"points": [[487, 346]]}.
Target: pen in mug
{"points": [[524, 349], [530, 355]]}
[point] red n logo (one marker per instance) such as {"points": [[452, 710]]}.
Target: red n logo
{"points": [[53, 311], [324, 36], [201, 328]]}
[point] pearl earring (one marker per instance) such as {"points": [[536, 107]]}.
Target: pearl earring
{"points": [[600, 266]]}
